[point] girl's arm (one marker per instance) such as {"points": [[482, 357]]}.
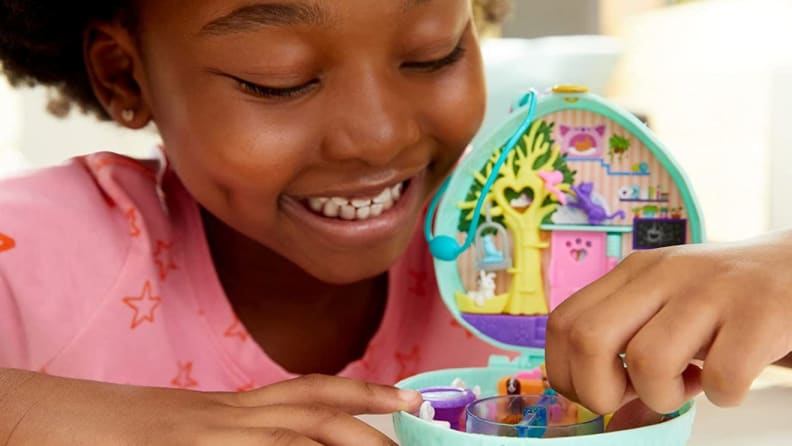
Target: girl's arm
{"points": [[42, 410]]}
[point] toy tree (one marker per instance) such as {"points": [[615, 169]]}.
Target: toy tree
{"points": [[521, 199]]}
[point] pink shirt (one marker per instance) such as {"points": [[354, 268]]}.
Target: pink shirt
{"points": [[105, 274]]}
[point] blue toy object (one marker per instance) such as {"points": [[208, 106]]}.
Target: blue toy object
{"points": [[491, 253]]}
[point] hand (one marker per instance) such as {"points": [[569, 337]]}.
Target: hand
{"points": [[309, 411], [729, 305]]}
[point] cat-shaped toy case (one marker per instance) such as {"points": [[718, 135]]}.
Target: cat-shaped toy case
{"points": [[586, 184]]}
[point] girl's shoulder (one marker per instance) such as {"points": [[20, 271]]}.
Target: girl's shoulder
{"points": [[88, 183], [67, 233], [83, 204]]}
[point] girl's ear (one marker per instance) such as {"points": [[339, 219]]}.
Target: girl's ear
{"points": [[113, 65]]}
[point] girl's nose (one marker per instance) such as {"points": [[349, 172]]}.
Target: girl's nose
{"points": [[373, 122]]}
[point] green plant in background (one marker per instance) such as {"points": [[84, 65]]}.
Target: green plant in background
{"points": [[619, 145]]}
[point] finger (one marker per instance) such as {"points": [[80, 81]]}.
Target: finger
{"points": [[692, 378], [352, 396], [626, 271], [565, 317], [258, 437], [741, 349], [322, 424], [632, 415], [595, 373], [659, 354]]}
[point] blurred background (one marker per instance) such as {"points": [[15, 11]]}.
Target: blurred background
{"points": [[713, 78]]}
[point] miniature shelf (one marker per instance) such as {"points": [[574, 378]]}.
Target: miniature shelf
{"points": [[608, 167], [586, 228], [642, 200]]}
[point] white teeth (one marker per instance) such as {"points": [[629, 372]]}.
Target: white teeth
{"points": [[388, 203], [383, 196], [348, 212], [331, 209], [317, 204], [363, 213], [356, 208]]}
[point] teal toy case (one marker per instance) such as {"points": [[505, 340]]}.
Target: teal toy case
{"points": [[586, 184]]}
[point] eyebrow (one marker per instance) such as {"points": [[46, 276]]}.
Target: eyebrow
{"points": [[257, 15], [249, 18]]}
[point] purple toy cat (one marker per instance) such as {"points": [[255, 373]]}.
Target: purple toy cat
{"points": [[595, 212]]}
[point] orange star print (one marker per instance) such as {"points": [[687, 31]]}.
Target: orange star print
{"points": [[455, 323], [134, 229], [408, 363], [144, 305], [183, 378], [246, 387], [236, 330], [163, 258], [6, 243]]}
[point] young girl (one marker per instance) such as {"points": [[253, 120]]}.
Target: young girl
{"points": [[301, 139]]}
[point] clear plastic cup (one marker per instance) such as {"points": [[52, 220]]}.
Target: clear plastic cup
{"points": [[531, 416]]}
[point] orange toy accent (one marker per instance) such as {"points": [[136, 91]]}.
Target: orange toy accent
{"points": [[527, 386]]}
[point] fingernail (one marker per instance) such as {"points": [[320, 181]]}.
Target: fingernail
{"points": [[411, 398]]}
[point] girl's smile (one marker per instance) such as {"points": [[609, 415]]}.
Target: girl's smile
{"points": [[359, 217]]}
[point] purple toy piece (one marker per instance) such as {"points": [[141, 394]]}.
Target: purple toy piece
{"points": [[449, 404], [595, 212], [523, 331]]}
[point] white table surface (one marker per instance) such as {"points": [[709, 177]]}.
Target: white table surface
{"points": [[765, 418]]}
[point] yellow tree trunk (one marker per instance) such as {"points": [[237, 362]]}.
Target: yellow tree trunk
{"points": [[526, 294]]}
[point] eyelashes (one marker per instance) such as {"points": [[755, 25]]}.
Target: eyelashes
{"points": [[435, 65], [276, 92], [285, 93]]}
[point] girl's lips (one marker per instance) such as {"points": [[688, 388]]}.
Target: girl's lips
{"points": [[358, 232]]}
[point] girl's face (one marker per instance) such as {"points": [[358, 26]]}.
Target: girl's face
{"points": [[318, 128]]}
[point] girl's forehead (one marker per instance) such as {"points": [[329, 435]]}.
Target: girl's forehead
{"points": [[335, 26], [238, 16]]}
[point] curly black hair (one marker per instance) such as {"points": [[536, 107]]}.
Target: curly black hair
{"points": [[41, 43]]}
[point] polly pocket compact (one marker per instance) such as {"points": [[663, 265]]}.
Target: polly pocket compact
{"points": [[554, 199]]}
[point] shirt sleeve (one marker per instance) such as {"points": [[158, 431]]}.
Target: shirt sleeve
{"points": [[59, 254]]}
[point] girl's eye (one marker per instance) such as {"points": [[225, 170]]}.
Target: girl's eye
{"points": [[437, 64], [276, 92]]}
